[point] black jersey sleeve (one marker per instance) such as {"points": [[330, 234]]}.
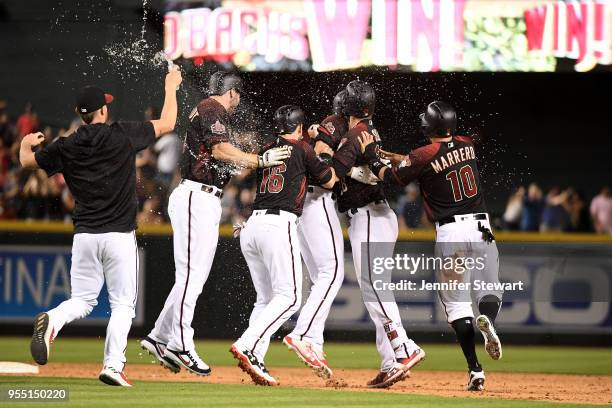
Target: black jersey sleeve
{"points": [[315, 166]]}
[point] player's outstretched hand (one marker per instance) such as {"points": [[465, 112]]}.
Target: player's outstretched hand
{"points": [[394, 158], [365, 139], [274, 156], [173, 78], [33, 139], [363, 174]]}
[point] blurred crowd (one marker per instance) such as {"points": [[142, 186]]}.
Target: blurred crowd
{"points": [[530, 209], [31, 195]]}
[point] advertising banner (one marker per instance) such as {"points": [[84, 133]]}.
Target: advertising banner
{"points": [[417, 35]]}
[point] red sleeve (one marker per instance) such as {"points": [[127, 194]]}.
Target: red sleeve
{"points": [[464, 139], [315, 166], [412, 165]]}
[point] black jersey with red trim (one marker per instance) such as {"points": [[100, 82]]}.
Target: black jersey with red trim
{"points": [[448, 175], [354, 194], [284, 187], [209, 124]]}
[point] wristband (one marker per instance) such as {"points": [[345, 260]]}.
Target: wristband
{"points": [[376, 166], [326, 158], [371, 152]]}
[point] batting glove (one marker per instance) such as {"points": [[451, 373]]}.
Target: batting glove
{"points": [[274, 156], [364, 175]]}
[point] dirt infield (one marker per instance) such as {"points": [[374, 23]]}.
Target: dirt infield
{"points": [[540, 387]]}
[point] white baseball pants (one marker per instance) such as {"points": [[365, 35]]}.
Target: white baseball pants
{"points": [[195, 217], [464, 238], [96, 258], [377, 223], [271, 247], [322, 247]]}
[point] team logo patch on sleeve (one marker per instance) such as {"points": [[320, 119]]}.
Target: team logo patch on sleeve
{"points": [[218, 127]]}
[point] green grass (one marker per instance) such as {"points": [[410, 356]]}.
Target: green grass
{"points": [[528, 359], [92, 393]]}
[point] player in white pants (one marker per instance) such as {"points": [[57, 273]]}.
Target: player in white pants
{"points": [[98, 163], [372, 222], [447, 171], [271, 245], [207, 164]]}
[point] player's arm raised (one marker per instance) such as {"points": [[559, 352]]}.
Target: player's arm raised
{"points": [[230, 154], [167, 120], [26, 155]]}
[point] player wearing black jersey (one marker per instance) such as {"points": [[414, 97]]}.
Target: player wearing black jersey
{"points": [[372, 221], [448, 175], [207, 163], [270, 243]]}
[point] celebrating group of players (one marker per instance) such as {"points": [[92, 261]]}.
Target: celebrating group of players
{"points": [[300, 183]]}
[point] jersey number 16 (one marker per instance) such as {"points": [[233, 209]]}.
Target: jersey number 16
{"points": [[273, 180], [464, 184]]}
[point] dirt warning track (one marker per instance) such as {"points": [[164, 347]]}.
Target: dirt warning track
{"points": [[516, 386]]}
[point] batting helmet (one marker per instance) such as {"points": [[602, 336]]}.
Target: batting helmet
{"points": [[440, 119], [222, 81], [287, 118], [360, 99], [339, 101]]}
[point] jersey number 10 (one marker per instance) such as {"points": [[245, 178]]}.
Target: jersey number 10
{"points": [[273, 180], [464, 184]]}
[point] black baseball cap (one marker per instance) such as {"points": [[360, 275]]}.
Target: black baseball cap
{"points": [[91, 98]]}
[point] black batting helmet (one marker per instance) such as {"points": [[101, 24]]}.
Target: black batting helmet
{"points": [[339, 101], [287, 118], [360, 99], [222, 81], [440, 119]]}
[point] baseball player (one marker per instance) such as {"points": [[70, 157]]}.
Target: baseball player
{"points": [[270, 242], [98, 163], [322, 247], [372, 220], [450, 183], [208, 161]]}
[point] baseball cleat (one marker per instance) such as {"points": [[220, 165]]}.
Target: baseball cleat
{"points": [[491, 339], [415, 358], [252, 366], [157, 350], [476, 381], [385, 379], [311, 355], [111, 376], [42, 338], [189, 360]]}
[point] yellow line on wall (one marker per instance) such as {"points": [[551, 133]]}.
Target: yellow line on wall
{"points": [[226, 231]]}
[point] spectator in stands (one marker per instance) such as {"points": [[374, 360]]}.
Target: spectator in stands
{"points": [[533, 205], [576, 206], [555, 216], [168, 150], [410, 207], [151, 212], [601, 211], [27, 122], [514, 210], [7, 132]]}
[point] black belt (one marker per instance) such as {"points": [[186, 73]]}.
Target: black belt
{"points": [[353, 211], [208, 189], [449, 220], [311, 190]]}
